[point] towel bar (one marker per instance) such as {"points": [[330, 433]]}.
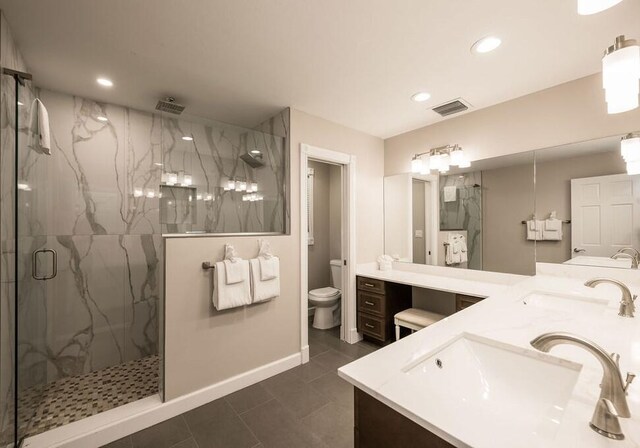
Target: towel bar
{"points": [[206, 265], [564, 221]]}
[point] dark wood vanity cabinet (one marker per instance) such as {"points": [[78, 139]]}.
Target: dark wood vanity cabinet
{"points": [[376, 425], [463, 301], [377, 302]]}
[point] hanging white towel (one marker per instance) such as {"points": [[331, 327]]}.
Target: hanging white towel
{"points": [[450, 193], [264, 249], [269, 268], [234, 271], [39, 132], [534, 229], [263, 290], [227, 296], [552, 230], [456, 250]]}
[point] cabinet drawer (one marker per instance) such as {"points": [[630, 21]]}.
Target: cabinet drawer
{"points": [[463, 302], [371, 326], [371, 284], [371, 303]]}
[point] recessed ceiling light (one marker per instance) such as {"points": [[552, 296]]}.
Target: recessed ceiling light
{"points": [[588, 7], [101, 118], [420, 97], [187, 138], [486, 44], [255, 151], [104, 82]]}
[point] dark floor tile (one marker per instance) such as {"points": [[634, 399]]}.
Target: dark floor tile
{"points": [[275, 427], [248, 398], [355, 351], [125, 442], [189, 443], [336, 389], [310, 371], [333, 359], [295, 394], [162, 435], [316, 348], [226, 430], [333, 424]]}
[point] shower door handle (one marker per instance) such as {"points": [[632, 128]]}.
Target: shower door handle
{"points": [[34, 264]]}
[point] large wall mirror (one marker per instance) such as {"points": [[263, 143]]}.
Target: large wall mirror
{"points": [[571, 204]]}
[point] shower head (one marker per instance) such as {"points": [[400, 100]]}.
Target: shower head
{"points": [[253, 158], [169, 105]]}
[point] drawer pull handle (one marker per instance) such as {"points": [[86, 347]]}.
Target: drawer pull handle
{"points": [[370, 285], [369, 326], [366, 302]]}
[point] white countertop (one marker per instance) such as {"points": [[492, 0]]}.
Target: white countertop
{"points": [[502, 317], [462, 281]]}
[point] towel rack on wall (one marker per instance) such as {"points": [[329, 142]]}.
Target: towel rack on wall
{"points": [[206, 265], [564, 221]]}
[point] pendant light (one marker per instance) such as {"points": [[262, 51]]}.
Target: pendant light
{"points": [[588, 7], [439, 159], [621, 75], [416, 164]]}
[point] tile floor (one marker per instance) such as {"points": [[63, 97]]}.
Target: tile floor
{"points": [[308, 406]]}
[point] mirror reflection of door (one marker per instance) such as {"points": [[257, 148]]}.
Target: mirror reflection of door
{"points": [[420, 220], [604, 210]]}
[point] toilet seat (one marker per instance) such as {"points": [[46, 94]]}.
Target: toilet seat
{"points": [[327, 293]]}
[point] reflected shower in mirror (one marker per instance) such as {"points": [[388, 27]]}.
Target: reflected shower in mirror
{"points": [[468, 218], [588, 188]]}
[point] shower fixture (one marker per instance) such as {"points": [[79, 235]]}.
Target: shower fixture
{"points": [[253, 158], [169, 105]]}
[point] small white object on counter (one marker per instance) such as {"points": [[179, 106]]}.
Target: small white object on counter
{"points": [[385, 262]]}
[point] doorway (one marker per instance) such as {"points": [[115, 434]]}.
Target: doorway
{"points": [[338, 236]]}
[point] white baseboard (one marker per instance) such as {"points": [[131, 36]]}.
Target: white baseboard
{"points": [[305, 354], [116, 423], [353, 336]]}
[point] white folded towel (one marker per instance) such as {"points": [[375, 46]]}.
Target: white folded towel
{"points": [[450, 193], [227, 296], [269, 268], [39, 132], [264, 249], [552, 225], [234, 271], [456, 250], [263, 290], [534, 229]]}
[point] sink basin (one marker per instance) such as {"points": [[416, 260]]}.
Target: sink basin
{"points": [[565, 303], [492, 391], [606, 262]]}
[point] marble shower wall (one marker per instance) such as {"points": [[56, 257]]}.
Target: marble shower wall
{"points": [[210, 160], [102, 307], [465, 213]]}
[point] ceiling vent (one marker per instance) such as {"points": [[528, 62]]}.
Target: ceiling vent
{"points": [[452, 107]]}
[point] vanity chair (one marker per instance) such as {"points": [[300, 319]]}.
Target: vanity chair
{"points": [[415, 319]]}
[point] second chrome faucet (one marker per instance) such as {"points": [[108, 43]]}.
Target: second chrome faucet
{"points": [[627, 303]]}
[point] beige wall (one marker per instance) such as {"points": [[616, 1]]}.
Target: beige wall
{"points": [[571, 112], [204, 346], [553, 192], [507, 200], [319, 251]]}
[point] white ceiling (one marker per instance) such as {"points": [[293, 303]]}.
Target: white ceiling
{"points": [[354, 62]]}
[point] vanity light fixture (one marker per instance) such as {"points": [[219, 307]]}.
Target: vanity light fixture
{"points": [[621, 75], [420, 97], [241, 186], [486, 44], [630, 147], [229, 185], [253, 187], [138, 193], [104, 82], [439, 159], [588, 7], [187, 180]]}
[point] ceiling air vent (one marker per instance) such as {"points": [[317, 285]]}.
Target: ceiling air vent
{"points": [[452, 107]]}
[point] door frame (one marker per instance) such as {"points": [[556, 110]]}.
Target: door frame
{"points": [[348, 331]]}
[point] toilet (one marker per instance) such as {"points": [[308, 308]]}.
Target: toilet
{"points": [[326, 301]]}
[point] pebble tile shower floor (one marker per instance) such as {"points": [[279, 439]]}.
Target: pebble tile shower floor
{"points": [[74, 398], [308, 406]]}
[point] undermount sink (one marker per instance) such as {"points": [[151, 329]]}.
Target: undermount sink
{"points": [[509, 393], [565, 303]]}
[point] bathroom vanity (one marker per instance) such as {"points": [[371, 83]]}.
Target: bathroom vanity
{"points": [[474, 380]]}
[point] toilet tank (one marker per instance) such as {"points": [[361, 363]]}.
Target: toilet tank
{"points": [[336, 273]]}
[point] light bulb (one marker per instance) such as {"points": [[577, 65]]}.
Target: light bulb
{"points": [[621, 75], [630, 148], [187, 180], [416, 165], [241, 186], [633, 168], [254, 186]]}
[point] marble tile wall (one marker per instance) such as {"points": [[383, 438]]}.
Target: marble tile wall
{"points": [[465, 213]]}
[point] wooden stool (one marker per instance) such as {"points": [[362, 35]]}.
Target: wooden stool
{"points": [[415, 319]]}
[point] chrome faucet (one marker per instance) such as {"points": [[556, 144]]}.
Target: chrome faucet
{"points": [[627, 304], [612, 402], [631, 251], [634, 260]]}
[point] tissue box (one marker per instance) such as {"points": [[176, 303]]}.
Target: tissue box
{"points": [[385, 265]]}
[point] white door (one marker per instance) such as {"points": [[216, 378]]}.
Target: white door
{"points": [[605, 214]]}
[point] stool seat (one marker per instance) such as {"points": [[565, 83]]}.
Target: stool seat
{"points": [[415, 319]]}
